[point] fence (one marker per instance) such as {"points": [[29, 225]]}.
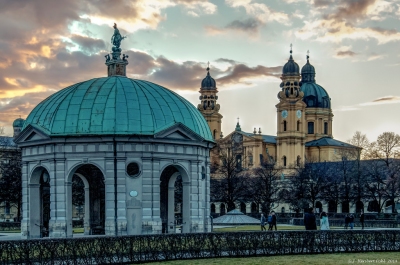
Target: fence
{"points": [[151, 248], [10, 226]]}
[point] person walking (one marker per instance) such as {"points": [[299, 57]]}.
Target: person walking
{"points": [[310, 224], [324, 223], [270, 221], [362, 219], [273, 223], [309, 220], [262, 220], [346, 221], [351, 221]]}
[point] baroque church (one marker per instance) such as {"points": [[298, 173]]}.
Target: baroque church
{"points": [[304, 123]]}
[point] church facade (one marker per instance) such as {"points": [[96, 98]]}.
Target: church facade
{"points": [[303, 129]]}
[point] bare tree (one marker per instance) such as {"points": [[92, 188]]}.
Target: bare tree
{"points": [[375, 175], [229, 184], [10, 175], [265, 185], [308, 184], [360, 140]]}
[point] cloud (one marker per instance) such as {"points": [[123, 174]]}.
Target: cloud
{"points": [[383, 100], [348, 53], [248, 25], [241, 73], [88, 44], [260, 11], [346, 19], [375, 102]]}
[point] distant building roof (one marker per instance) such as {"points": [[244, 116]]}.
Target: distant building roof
{"points": [[235, 217], [6, 141], [327, 141], [266, 138]]}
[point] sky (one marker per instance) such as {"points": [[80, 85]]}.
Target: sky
{"points": [[354, 45]]}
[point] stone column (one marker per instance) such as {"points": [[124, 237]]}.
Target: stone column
{"points": [[86, 219], [25, 223], [121, 197], [171, 208], [58, 199], [109, 197], [186, 222], [34, 221]]}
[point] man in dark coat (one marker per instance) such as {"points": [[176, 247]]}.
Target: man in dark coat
{"points": [[362, 219], [273, 223], [309, 220]]}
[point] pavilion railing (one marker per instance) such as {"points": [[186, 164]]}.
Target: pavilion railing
{"points": [[151, 248]]}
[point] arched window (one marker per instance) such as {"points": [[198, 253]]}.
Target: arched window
{"points": [[310, 127], [243, 207], [291, 90], [345, 207], [212, 208], [284, 126], [298, 125], [215, 134], [254, 208], [318, 207], [325, 128], [332, 207], [222, 209], [284, 161], [298, 161]]}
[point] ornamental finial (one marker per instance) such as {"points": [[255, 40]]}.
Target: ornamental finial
{"points": [[291, 48], [208, 68], [308, 55]]}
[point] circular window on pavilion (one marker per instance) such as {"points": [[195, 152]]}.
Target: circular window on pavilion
{"points": [[133, 170]]}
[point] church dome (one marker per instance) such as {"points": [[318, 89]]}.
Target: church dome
{"points": [[115, 105], [291, 67], [315, 96], [18, 122], [208, 82], [307, 68]]}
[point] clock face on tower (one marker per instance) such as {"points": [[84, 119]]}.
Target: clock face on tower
{"points": [[284, 114], [298, 114]]}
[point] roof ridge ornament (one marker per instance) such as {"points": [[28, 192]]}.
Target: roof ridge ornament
{"points": [[116, 65]]}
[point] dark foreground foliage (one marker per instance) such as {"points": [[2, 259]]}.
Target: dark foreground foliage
{"points": [[150, 248]]}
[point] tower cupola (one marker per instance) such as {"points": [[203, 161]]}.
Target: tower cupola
{"points": [[291, 67], [308, 71], [208, 82]]}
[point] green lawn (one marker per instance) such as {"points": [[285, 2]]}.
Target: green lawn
{"points": [[257, 228], [324, 259]]}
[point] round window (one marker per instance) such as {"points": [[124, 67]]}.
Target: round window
{"points": [[132, 170]]}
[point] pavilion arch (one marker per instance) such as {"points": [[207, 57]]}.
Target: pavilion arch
{"points": [[39, 202], [171, 175], [78, 165], [94, 220], [222, 209]]}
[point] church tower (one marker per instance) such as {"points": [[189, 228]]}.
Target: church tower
{"points": [[291, 135], [318, 110], [208, 106]]}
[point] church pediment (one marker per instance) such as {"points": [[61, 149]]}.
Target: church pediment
{"points": [[179, 131], [30, 134]]}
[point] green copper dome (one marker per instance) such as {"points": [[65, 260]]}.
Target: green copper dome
{"points": [[115, 105]]}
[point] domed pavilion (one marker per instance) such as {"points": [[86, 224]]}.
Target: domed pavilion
{"points": [[134, 146]]}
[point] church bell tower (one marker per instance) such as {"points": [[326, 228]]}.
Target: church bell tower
{"points": [[208, 105], [291, 134]]}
